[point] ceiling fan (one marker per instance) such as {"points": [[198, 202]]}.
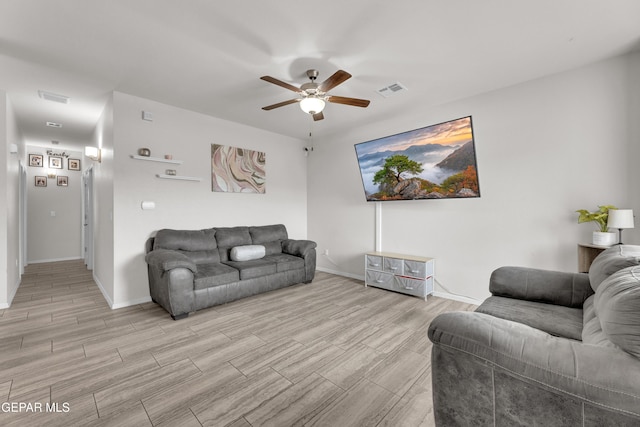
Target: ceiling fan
{"points": [[313, 95]]}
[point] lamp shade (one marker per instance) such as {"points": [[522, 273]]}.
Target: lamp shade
{"points": [[620, 218], [312, 105]]}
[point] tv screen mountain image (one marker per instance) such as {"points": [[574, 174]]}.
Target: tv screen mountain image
{"points": [[433, 162]]}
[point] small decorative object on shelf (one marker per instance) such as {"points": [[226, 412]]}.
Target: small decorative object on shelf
{"points": [[602, 237], [168, 156], [170, 172], [144, 152]]}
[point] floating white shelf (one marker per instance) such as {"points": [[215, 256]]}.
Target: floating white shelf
{"points": [[179, 177], [156, 159]]}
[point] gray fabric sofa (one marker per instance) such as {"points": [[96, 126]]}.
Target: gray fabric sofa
{"points": [[193, 269], [547, 348]]}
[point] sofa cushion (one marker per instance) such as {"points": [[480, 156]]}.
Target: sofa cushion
{"points": [[617, 303], [611, 260], [247, 252], [268, 233], [556, 320], [254, 268], [214, 274], [198, 245], [229, 237], [286, 262]]}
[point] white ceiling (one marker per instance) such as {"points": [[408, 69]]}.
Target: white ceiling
{"points": [[207, 56]]}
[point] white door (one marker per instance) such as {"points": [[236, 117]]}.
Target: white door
{"points": [[88, 218]]}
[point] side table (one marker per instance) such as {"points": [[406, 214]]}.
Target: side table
{"points": [[586, 254]]}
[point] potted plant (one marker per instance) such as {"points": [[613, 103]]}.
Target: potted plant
{"points": [[602, 237]]}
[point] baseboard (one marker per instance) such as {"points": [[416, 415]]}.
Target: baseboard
{"points": [[435, 293], [456, 297], [104, 293], [130, 303], [115, 306], [340, 273], [11, 297], [42, 261]]}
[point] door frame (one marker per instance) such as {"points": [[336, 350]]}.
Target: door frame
{"points": [[88, 218]]}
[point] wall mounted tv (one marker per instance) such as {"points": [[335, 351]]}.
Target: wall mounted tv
{"points": [[434, 162]]}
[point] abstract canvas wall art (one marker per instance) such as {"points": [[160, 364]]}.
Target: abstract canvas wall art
{"points": [[237, 170]]}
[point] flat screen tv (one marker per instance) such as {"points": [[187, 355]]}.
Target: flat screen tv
{"points": [[433, 162]]}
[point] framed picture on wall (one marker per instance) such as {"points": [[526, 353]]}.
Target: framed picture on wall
{"points": [[41, 181], [36, 160], [73, 164], [55, 162], [63, 181]]}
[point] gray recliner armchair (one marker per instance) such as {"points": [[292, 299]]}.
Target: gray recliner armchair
{"points": [[547, 348]]}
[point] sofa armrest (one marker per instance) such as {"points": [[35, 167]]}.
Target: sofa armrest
{"points": [[165, 260], [305, 249], [297, 247], [597, 376], [553, 287]]}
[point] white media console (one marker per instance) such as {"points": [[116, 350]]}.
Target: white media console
{"points": [[408, 274]]}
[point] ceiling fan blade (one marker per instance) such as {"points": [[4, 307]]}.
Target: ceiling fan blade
{"points": [[318, 116], [280, 83], [338, 77], [349, 101], [281, 104]]}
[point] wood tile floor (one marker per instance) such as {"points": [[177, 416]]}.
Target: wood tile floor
{"points": [[331, 353]]}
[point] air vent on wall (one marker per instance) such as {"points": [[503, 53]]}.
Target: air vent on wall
{"points": [[54, 142], [53, 97], [392, 89], [54, 125]]}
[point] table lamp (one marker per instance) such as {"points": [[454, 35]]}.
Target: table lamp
{"points": [[620, 218]]}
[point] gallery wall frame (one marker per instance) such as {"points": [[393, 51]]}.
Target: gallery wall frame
{"points": [[36, 160], [63, 181], [73, 164], [55, 162], [40, 181]]}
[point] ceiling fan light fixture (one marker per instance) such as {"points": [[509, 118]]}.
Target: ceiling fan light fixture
{"points": [[312, 105]]}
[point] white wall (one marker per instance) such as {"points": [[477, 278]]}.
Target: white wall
{"points": [[102, 217], [12, 202], [4, 207], [191, 205], [544, 149], [54, 238]]}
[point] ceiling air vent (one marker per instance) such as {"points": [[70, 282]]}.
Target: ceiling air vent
{"points": [[392, 89], [54, 125], [53, 97]]}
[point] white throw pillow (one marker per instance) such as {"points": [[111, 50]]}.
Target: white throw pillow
{"points": [[247, 252]]}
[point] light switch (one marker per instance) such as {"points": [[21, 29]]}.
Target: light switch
{"points": [[53, 213]]}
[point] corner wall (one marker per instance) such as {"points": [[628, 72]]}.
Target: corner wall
{"points": [[5, 207], [186, 204], [54, 211], [9, 211], [544, 149]]}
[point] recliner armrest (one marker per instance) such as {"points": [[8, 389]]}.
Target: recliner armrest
{"points": [[531, 284], [165, 260], [297, 247], [603, 376]]}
